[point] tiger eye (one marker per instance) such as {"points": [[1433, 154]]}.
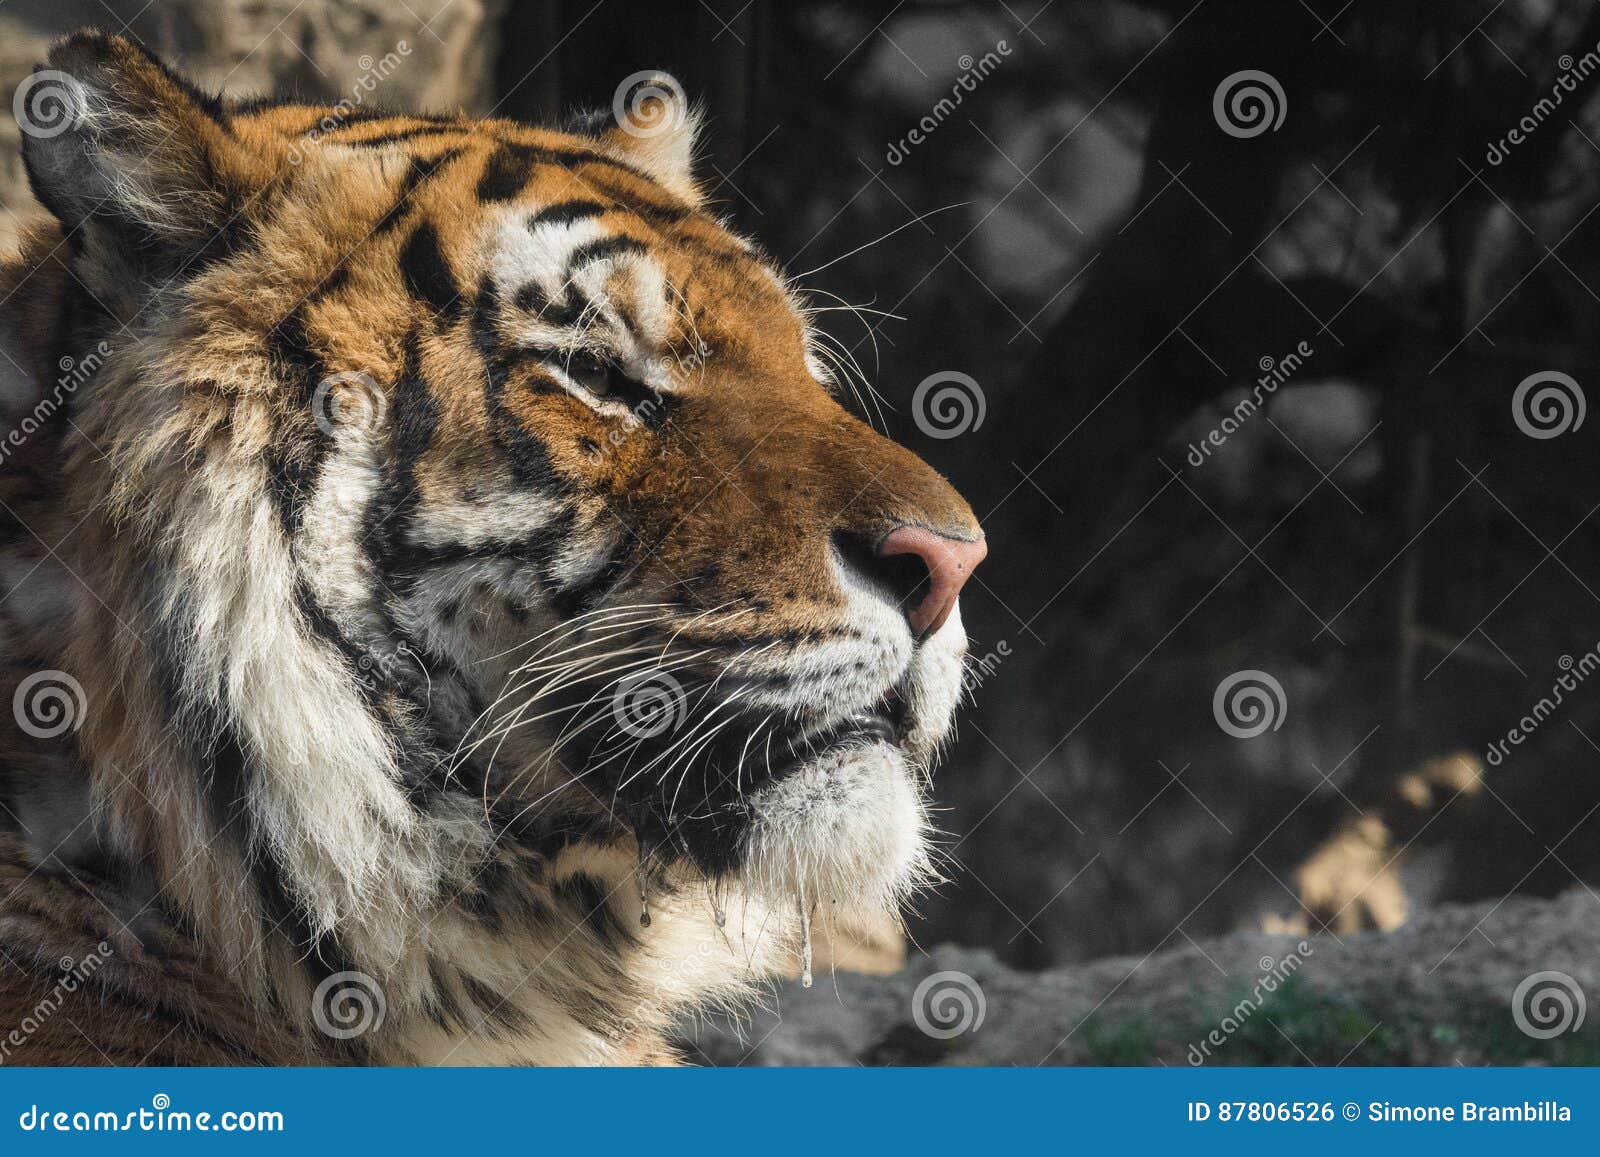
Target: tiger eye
{"points": [[596, 374]]}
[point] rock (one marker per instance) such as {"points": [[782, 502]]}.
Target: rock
{"points": [[1438, 990], [440, 53]]}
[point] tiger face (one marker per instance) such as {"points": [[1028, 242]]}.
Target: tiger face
{"points": [[472, 472]]}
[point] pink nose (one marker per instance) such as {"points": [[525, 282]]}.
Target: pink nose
{"points": [[949, 562]]}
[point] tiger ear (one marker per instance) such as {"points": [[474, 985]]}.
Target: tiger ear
{"points": [[118, 144], [654, 127]]}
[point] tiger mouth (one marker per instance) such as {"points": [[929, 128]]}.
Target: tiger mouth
{"points": [[886, 722], [704, 809]]}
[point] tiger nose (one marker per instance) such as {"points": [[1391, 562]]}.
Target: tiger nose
{"points": [[949, 562]]}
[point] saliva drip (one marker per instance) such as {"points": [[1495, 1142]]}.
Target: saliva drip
{"points": [[644, 887], [805, 941]]}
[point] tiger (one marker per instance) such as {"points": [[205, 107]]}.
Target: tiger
{"points": [[453, 615]]}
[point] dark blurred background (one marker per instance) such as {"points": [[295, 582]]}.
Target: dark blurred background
{"points": [[1114, 238]]}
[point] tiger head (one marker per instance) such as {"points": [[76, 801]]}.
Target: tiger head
{"points": [[458, 485]]}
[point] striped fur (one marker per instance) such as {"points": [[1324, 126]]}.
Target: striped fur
{"points": [[416, 453]]}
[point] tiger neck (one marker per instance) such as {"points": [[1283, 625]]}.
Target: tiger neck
{"points": [[495, 936], [280, 762], [294, 786]]}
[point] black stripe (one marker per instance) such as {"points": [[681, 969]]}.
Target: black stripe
{"points": [[415, 413], [427, 273], [441, 1006], [511, 165], [414, 421], [321, 954], [294, 461], [294, 470], [589, 897], [530, 462], [406, 135], [492, 1006], [537, 548], [532, 299], [663, 214], [588, 593], [567, 212], [421, 170], [601, 249], [506, 174]]}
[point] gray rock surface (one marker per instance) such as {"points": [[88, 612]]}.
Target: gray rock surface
{"points": [[1439, 990], [320, 50]]}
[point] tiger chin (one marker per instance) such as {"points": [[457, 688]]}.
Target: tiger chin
{"points": [[452, 619]]}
